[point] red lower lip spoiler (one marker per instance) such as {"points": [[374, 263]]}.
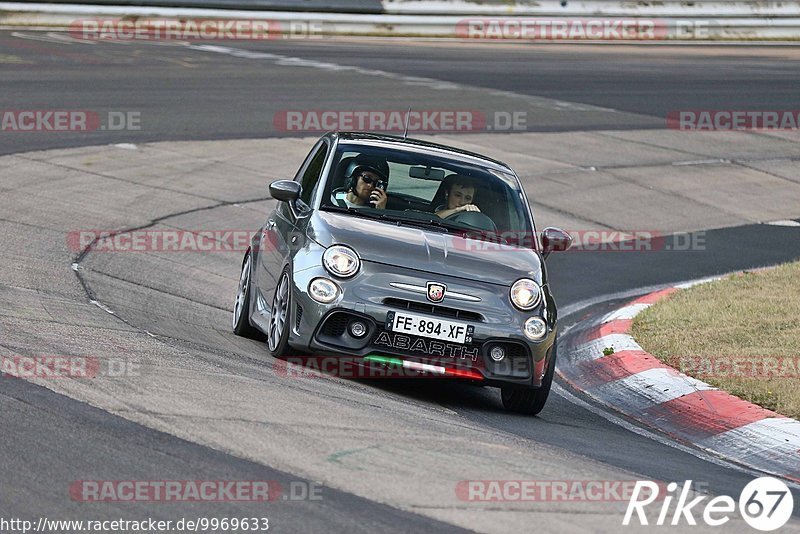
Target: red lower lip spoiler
{"points": [[464, 373]]}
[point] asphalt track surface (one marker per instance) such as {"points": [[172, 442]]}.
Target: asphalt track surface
{"points": [[48, 439], [183, 94]]}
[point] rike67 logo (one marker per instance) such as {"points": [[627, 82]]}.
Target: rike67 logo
{"points": [[765, 504]]}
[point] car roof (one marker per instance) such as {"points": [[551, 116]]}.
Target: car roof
{"points": [[417, 145]]}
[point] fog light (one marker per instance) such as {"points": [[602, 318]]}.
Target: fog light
{"points": [[535, 328], [323, 290], [497, 353], [358, 329]]}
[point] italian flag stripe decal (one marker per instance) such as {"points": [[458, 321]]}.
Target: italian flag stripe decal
{"points": [[424, 367]]}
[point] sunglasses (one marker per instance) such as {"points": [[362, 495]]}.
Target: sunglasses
{"points": [[369, 180]]}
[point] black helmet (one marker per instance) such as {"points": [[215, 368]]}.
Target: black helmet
{"points": [[363, 163]]}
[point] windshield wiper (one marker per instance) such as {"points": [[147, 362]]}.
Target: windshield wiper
{"points": [[425, 223], [438, 224], [475, 233], [379, 214], [354, 211]]}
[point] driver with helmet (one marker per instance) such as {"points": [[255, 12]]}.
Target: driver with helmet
{"points": [[366, 179]]}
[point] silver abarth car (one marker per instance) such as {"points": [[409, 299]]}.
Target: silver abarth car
{"points": [[398, 252]]}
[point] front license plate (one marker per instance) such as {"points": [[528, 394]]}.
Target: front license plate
{"points": [[419, 325]]}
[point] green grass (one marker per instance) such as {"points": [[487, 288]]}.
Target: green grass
{"points": [[752, 320]]}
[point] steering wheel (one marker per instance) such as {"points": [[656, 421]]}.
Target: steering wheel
{"points": [[474, 219]]}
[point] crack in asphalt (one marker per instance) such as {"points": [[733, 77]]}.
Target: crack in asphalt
{"points": [[163, 291], [114, 178], [88, 248]]}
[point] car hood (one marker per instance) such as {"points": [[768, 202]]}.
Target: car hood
{"points": [[429, 251]]}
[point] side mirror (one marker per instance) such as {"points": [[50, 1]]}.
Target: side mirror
{"points": [[284, 190], [555, 240]]}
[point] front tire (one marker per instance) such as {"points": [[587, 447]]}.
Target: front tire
{"points": [[530, 401], [278, 333], [241, 308]]}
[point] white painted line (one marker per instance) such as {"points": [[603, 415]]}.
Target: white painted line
{"points": [[103, 307], [700, 162], [52, 37], [288, 61], [687, 285], [127, 146], [45, 39], [594, 349], [628, 312], [658, 438], [431, 83], [772, 432], [785, 222], [772, 444], [143, 42], [571, 309], [641, 391], [61, 37]]}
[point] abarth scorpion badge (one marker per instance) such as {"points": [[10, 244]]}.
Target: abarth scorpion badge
{"points": [[436, 291]]}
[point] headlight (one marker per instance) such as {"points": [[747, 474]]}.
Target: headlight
{"points": [[341, 261], [525, 294], [535, 328], [323, 290]]}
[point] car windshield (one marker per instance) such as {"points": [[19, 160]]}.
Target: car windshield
{"points": [[440, 193]]}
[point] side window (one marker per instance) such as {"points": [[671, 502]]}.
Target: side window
{"points": [[312, 173]]}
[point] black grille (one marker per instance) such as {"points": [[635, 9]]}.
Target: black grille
{"points": [[298, 317], [433, 309], [515, 364], [334, 330], [336, 324], [515, 350]]}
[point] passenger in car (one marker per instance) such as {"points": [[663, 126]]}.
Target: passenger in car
{"points": [[366, 180], [459, 196]]}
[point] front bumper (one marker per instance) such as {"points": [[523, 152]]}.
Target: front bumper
{"points": [[369, 298]]}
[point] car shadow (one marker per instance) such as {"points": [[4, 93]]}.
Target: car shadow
{"points": [[450, 393]]}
